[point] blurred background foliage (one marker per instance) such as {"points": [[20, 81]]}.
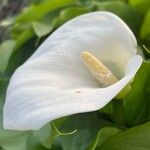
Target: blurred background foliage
{"points": [[121, 125]]}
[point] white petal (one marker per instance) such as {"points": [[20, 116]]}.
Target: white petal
{"points": [[54, 82], [30, 106], [101, 33]]}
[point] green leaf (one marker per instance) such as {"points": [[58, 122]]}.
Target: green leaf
{"points": [[56, 133], [3, 86], [22, 51], [41, 28], [44, 135], [137, 138], [128, 14], [36, 12], [15, 143], [141, 5], [33, 143], [103, 135], [20, 28], [108, 109], [145, 30], [6, 49], [24, 37], [135, 103], [87, 126], [69, 13]]}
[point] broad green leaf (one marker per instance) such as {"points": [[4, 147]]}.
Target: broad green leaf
{"points": [[19, 28], [36, 12], [21, 52], [24, 37], [69, 13], [47, 134], [41, 28], [145, 30], [118, 116], [6, 49], [103, 135], [15, 143], [87, 126], [141, 5], [108, 109], [136, 138], [128, 14], [33, 143], [135, 103], [55, 132], [44, 135], [3, 86]]}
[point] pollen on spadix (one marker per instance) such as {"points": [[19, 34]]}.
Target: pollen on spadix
{"points": [[98, 69]]}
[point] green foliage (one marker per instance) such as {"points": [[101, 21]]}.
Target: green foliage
{"points": [[41, 28], [86, 126], [145, 31], [141, 5], [36, 12], [69, 13], [128, 14], [6, 49], [136, 138], [136, 103], [103, 135], [111, 128]]}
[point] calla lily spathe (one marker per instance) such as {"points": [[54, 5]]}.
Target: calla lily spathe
{"points": [[54, 82]]}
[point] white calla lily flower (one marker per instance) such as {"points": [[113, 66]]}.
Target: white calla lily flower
{"points": [[80, 68]]}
